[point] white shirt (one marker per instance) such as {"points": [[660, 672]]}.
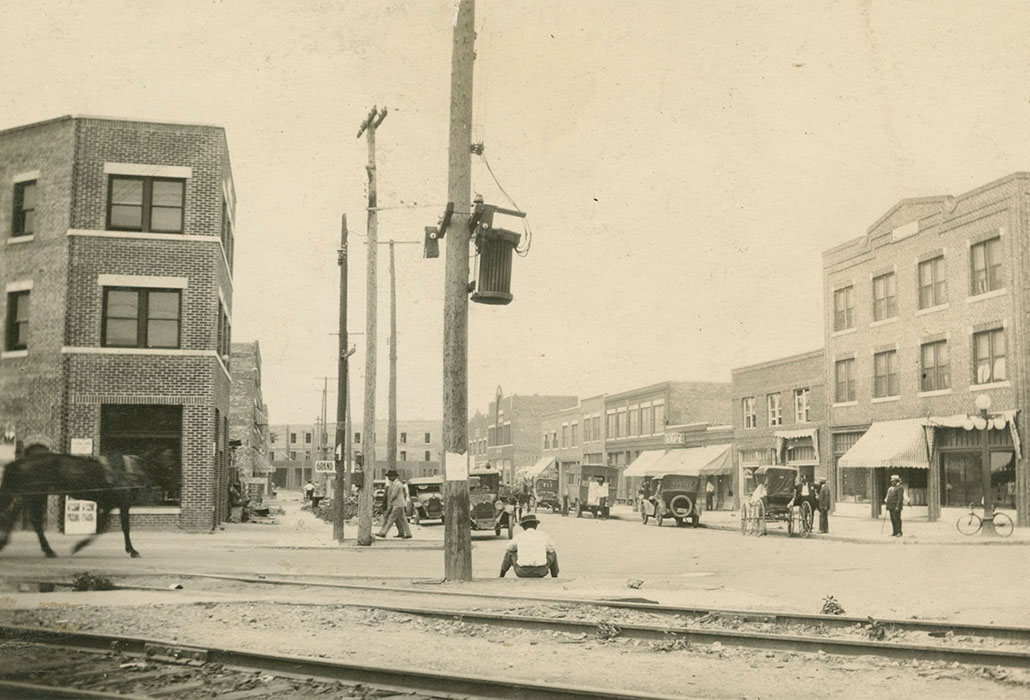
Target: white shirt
{"points": [[595, 492], [532, 547]]}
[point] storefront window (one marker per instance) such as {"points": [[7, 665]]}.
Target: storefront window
{"points": [[854, 485], [1003, 479], [961, 476]]}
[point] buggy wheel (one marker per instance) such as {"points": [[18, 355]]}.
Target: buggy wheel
{"points": [[806, 519], [758, 526], [744, 525]]}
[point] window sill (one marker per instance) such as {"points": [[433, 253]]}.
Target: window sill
{"points": [[844, 404], [14, 240], [886, 399], [987, 295], [11, 354], [933, 309], [846, 331], [883, 322], [935, 392], [993, 385]]}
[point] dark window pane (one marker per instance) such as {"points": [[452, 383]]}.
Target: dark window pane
{"points": [[28, 222], [28, 196], [126, 191], [121, 332], [163, 334], [124, 216], [166, 219], [167, 194], [21, 310]]}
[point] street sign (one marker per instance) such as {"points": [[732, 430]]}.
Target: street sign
{"points": [[325, 466]]}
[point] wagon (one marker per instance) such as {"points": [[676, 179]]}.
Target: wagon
{"points": [[581, 477], [773, 501]]}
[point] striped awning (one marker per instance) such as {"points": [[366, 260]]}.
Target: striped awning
{"points": [[696, 461], [542, 465], [642, 465], [261, 464], [893, 443]]}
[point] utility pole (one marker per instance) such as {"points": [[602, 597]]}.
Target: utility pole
{"points": [[457, 536], [368, 127], [341, 487], [391, 425]]}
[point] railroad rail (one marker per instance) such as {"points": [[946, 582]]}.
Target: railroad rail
{"points": [[89, 665]]}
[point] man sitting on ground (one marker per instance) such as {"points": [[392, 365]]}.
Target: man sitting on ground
{"points": [[531, 553]]}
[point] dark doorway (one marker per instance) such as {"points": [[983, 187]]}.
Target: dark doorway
{"points": [[153, 434]]}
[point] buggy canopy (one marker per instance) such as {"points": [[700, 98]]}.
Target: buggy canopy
{"points": [[695, 461], [642, 465], [892, 443]]}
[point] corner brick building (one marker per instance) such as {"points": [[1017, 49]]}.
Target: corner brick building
{"points": [[117, 306], [248, 421]]}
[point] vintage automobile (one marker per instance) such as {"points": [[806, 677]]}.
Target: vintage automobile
{"points": [[425, 500], [545, 494], [580, 496], [671, 496], [773, 500], [491, 503]]}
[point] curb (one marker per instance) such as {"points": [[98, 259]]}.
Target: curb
{"points": [[908, 540]]}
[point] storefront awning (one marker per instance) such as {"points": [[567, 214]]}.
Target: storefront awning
{"points": [[641, 466], [261, 464], [783, 437], [893, 443], [996, 421], [695, 461], [542, 465]]}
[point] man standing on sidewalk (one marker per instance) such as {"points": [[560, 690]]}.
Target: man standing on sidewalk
{"points": [[393, 509], [824, 506], [894, 501]]}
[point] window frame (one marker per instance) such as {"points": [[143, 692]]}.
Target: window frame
{"points": [[990, 249], [937, 289], [142, 317], [992, 356], [848, 381], [844, 317], [146, 203], [886, 384], [18, 228], [885, 297], [774, 413], [805, 405], [937, 370], [747, 407], [14, 326]]}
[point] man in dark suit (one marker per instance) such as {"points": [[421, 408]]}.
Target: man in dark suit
{"points": [[895, 501], [393, 511], [824, 506]]}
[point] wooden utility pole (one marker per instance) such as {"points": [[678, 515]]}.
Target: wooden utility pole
{"points": [[457, 536], [368, 127], [341, 487], [391, 425]]}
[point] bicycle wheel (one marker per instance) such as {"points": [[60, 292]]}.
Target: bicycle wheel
{"points": [[969, 524], [1003, 524]]}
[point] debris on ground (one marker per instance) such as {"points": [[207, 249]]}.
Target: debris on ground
{"points": [[608, 630], [634, 583], [88, 582], [831, 606]]}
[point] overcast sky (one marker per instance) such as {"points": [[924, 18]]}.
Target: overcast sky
{"points": [[683, 163]]}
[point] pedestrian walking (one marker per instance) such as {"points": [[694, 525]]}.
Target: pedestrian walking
{"points": [[709, 494], [824, 506], [393, 509], [309, 490], [895, 501], [531, 553]]}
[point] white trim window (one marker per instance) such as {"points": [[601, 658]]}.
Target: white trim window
{"points": [[989, 350], [801, 405], [141, 318], [748, 408], [773, 408]]}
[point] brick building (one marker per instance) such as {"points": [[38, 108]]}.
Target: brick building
{"points": [[117, 274], [572, 437], [508, 434], [779, 417], [924, 315], [248, 420]]}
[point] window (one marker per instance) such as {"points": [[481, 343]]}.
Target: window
{"points": [[357, 438], [985, 261], [612, 433], [293, 439], [772, 404], [145, 204], [885, 299], [24, 223], [597, 427], [293, 456], [574, 430], [404, 456], [989, 357], [634, 423], [659, 418], [844, 374], [936, 375], [307, 438], [843, 309], [801, 397], [427, 457], [404, 438], [623, 424], [141, 318], [750, 419], [226, 233], [885, 374], [565, 436], [17, 321], [427, 438], [645, 421], [933, 287]]}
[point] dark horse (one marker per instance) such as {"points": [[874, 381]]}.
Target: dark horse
{"points": [[28, 481]]}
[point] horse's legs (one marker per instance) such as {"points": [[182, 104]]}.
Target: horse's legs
{"points": [[37, 511], [103, 514], [123, 514], [10, 506]]}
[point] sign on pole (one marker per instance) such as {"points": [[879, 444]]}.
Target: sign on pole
{"points": [[325, 466]]}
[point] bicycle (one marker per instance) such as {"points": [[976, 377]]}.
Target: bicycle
{"points": [[970, 523]]}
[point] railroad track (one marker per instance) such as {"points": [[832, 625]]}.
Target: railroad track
{"points": [[42, 663]]}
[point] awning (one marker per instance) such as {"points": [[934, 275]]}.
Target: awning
{"points": [[695, 461], [641, 466], [893, 443], [542, 465], [785, 436], [261, 464], [997, 421]]}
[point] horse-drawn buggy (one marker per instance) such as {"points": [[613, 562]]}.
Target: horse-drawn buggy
{"points": [[777, 498]]}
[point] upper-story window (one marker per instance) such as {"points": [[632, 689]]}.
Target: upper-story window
{"points": [[404, 438], [772, 404], [885, 374], [145, 204], [659, 418], [844, 380], [885, 298], [634, 421], [623, 424], [357, 438], [307, 438], [933, 286], [985, 267], [574, 434], [748, 408], [801, 399], [17, 332], [843, 309], [24, 223], [293, 440], [935, 370], [565, 436], [141, 318], [989, 356], [427, 438]]}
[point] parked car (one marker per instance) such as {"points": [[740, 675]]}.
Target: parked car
{"points": [[491, 503], [425, 498], [671, 496], [545, 492], [378, 496]]}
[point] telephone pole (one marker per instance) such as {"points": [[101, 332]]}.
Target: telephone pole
{"points": [[391, 425], [457, 536], [341, 487], [368, 127]]}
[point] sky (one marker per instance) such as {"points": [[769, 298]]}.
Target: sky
{"points": [[683, 164]]}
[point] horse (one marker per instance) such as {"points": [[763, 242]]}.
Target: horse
{"points": [[29, 480]]}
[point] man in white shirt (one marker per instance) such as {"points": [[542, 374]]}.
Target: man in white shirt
{"points": [[531, 553], [597, 497]]}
